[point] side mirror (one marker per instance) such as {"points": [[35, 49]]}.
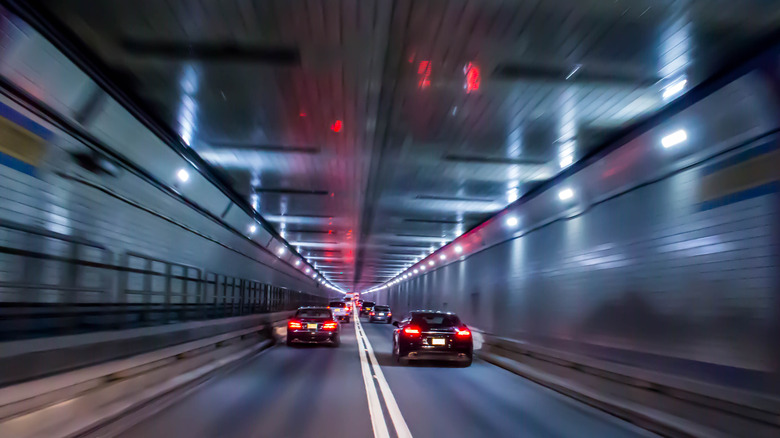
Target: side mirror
{"points": [[395, 323]]}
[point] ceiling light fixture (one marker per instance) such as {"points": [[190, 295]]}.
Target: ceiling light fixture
{"points": [[674, 88], [458, 249], [674, 138], [565, 194], [511, 221], [183, 175]]}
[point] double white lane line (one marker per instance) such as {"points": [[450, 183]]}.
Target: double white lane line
{"points": [[375, 408]]}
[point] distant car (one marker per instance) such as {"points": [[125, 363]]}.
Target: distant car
{"points": [[380, 314], [366, 308], [341, 310], [434, 336], [313, 325]]}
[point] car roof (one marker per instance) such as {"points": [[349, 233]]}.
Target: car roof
{"points": [[313, 307], [432, 311]]}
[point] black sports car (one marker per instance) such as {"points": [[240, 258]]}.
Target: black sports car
{"points": [[432, 335]]}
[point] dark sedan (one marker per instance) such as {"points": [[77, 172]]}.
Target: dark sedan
{"points": [[313, 325], [366, 308], [380, 314], [432, 335]]}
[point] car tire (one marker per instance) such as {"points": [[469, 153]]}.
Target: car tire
{"points": [[397, 355], [467, 363], [347, 320], [290, 343], [336, 343]]}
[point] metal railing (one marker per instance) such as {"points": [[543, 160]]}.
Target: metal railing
{"points": [[52, 283]]}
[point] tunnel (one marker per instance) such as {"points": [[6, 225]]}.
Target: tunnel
{"points": [[389, 218]]}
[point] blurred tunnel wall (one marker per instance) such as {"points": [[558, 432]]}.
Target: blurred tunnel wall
{"points": [[666, 259], [87, 190]]}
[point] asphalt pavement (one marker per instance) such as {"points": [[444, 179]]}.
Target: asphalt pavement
{"points": [[321, 392]]}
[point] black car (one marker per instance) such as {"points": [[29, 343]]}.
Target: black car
{"points": [[432, 335], [367, 307], [313, 325], [380, 314]]}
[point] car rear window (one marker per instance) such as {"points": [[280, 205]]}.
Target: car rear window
{"points": [[314, 313], [435, 320], [368, 304], [382, 308], [337, 304]]}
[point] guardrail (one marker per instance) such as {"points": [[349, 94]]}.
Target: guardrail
{"points": [[78, 401], [52, 283], [698, 408]]}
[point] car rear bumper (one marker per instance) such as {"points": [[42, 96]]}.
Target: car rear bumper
{"points": [[379, 318], [448, 355], [306, 337]]}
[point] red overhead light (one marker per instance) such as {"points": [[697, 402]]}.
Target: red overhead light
{"points": [[302, 114], [424, 70], [472, 77], [336, 126]]}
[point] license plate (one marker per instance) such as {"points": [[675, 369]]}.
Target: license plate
{"points": [[437, 341], [381, 314], [311, 326]]}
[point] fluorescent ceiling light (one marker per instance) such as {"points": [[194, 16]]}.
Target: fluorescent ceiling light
{"points": [[565, 194], [674, 88], [674, 138]]}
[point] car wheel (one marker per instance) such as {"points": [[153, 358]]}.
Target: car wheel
{"points": [[467, 363], [347, 320], [290, 343], [336, 342]]}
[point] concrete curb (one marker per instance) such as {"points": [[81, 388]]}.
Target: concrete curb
{"points": [[650, 419]]}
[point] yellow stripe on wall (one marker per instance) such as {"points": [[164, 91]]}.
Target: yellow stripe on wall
{"points": [[751, 173], [20, 143]]}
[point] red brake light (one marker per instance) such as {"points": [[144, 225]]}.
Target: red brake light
{"points": [[463, 332], [294, 325], [330, 325], [411, 331], [372, 313]]}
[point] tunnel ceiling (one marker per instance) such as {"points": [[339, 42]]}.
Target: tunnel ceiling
{"points": [[372, 132]]}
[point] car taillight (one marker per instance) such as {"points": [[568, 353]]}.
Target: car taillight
{"points": [[463, 332], [330, 325], [294, 325], [389, 314], [411, 331], [372, 313]]}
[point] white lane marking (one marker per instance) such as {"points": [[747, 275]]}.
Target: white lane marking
{"points": [[374, 407], [392, 407]]}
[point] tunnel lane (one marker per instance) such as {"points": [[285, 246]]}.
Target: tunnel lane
{"points": [[320, 392]]}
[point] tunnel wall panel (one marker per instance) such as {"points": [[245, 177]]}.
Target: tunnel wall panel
{"points": [[675, 270]]}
